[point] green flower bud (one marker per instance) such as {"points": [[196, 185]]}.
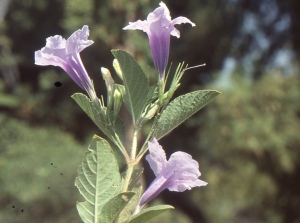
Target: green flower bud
{"points": [[117, 68], [118, 99], [109, 82]]}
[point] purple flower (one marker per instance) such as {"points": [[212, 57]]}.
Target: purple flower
{"points": [[179, 173], [159, 27], [65, 54]]}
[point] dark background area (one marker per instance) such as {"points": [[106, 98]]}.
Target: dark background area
{"points": [[246, 140]]}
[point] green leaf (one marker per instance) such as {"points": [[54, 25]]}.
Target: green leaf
{"points": [[135, 178], [131, 206], [114, 206], [135, 186], [135, 82], [180, 109], [88, 107], [98, 180], [147, 214]]}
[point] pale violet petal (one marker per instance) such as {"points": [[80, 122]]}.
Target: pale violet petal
{"points": [[45, 59], [166, 10], [78, 40], [158, 13], [182, 185], [156, 157], [140, 25], [182, 19]]}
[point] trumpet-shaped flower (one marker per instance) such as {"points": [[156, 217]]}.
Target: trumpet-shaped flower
{"points": [[159, 27], [179, 173], [65, 54]]}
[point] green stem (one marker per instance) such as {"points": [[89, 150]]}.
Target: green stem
{"points": [[131, 163], [134, 144], [128, 176]]}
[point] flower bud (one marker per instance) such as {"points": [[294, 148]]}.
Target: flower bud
{"points": [[118, 70], [109, 82], [118, 98]]}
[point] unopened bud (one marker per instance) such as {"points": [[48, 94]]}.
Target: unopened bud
{"points": [[118, 99], [118, 70], [109, 82]]}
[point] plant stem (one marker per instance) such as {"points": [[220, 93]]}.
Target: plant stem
{"points": [[131, 163], [134, 144], [128, 176]]}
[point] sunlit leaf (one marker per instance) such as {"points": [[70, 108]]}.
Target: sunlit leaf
{"points": [[135, 82], [149, 213], [98, 180], [114, 206], [180, 109], [87, 106]]}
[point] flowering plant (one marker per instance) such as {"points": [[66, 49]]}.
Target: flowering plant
{"points": [[111, 196]]}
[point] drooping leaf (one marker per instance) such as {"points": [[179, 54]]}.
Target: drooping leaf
{"points": [[98, 180], [88, 107], [135, 82], [114, 206], [180, 109], [149, 213]]}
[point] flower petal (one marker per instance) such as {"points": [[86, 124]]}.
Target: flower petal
{"points": [[53, 53], [78, 40], [182, 185], [141, 25], [179, 20], [156, 157], [179, 173]]}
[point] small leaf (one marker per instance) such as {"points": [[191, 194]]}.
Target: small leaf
{"points": [[180, 109], [135, 186], [149, 213], [114, 206], [135, 82], [135, 177], [88, 107], [98, 180], [131, 206]]}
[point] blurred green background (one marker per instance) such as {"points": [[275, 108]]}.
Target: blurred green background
{"points": [[246, 141]]}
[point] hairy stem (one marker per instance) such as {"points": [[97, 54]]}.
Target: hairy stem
{"points": [[131, 163]]}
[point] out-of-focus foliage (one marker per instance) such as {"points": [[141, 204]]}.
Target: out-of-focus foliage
{"points": [[251, 152], [37, 172]]}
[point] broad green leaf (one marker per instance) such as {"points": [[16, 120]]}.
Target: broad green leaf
{"points": [[98, 180], [135, 82], [180, 109], [149, 213], [88, 107], [135, 186], [114, 206]]}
